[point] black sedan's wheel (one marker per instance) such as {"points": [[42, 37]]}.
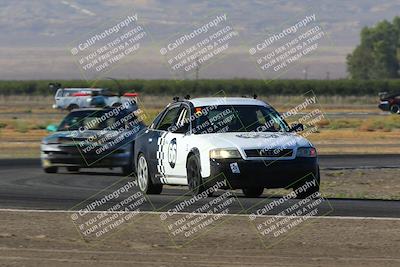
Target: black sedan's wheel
{"points": [[73, 169], [127, 170], [50, 169], [253, 191], [310, 190], [144, 180]]}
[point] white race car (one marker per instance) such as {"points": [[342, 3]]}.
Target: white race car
{"points": [[241, 141], [75, 98]]}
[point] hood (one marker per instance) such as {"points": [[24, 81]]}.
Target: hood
{"points": [[72, 135], [89, 136], [257, 140]]}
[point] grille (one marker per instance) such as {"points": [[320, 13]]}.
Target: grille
{"points": [[270, 153]]}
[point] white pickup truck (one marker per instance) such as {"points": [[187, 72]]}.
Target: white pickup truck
{"points": [[74, 98]]}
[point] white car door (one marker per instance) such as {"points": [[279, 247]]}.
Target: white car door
{"points": [[174, 147]]}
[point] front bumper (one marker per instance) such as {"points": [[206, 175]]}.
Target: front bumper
{"points": [[384, 106], [72, 157], [262, 173]]}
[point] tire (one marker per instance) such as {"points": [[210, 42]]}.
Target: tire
{"points": [[73, 169], [194, 179], [127, 170], [72, 107], [143, 177], [395, 109], [311, 190], [253, 191], [50, 169]]}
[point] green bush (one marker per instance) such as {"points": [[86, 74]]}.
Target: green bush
{"points": [[212, 87]]}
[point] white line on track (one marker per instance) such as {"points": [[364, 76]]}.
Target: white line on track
{"points": [[207, 214]]}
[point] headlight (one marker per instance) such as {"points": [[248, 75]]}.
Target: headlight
{"points": [[306, 152], [51, 142], [225, 154]]}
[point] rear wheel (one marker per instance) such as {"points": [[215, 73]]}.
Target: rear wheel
{"points": [[127, 170], [72, 107], [395, 109], [253, 191], [73, 169], [50, 169], [144, 180]]}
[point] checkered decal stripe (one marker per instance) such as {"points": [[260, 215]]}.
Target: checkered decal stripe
{"points": [[160, 155]]}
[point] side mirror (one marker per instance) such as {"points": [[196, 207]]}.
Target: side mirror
{"points": [[297, 127], [52, 128]]}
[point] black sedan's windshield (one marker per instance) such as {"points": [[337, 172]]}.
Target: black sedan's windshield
{"points": [[95, 120], [238, 118]]}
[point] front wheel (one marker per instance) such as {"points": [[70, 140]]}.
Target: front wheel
{"points": [[395, 109], [73, 169], [253, 191], [50, 169], [144, 180], [311, 190], [194, 179]]}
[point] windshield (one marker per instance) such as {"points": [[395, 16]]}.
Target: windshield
{"points": [[238, 118], [96, 120]]}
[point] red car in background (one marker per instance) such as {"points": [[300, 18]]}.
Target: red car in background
{"points": [[390, 102]]}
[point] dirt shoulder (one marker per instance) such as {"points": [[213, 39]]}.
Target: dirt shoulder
{"points": [[363, 184], [40, 239]]}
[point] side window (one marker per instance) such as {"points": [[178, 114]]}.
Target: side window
{"points": [[69, 92], [168, 119], [183, 122], [59, 93]]}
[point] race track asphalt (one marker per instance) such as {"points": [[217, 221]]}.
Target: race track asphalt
{"points": [[23, 185]]}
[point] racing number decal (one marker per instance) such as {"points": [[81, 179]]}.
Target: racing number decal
{"points": [[172, 153], [166, 152]]}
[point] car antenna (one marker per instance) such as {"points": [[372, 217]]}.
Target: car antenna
{"points": [[255, 96]]}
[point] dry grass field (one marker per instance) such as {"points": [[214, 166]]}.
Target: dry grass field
{"points": [[23, 120]]}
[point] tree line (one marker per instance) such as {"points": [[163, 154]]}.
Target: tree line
{"points": [[211, 87]]}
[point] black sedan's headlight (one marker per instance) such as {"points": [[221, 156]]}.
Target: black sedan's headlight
{"points": [[53, 141], [306, 152]]}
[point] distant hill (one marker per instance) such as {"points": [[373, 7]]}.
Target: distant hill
{"points": [[35, 34]]}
